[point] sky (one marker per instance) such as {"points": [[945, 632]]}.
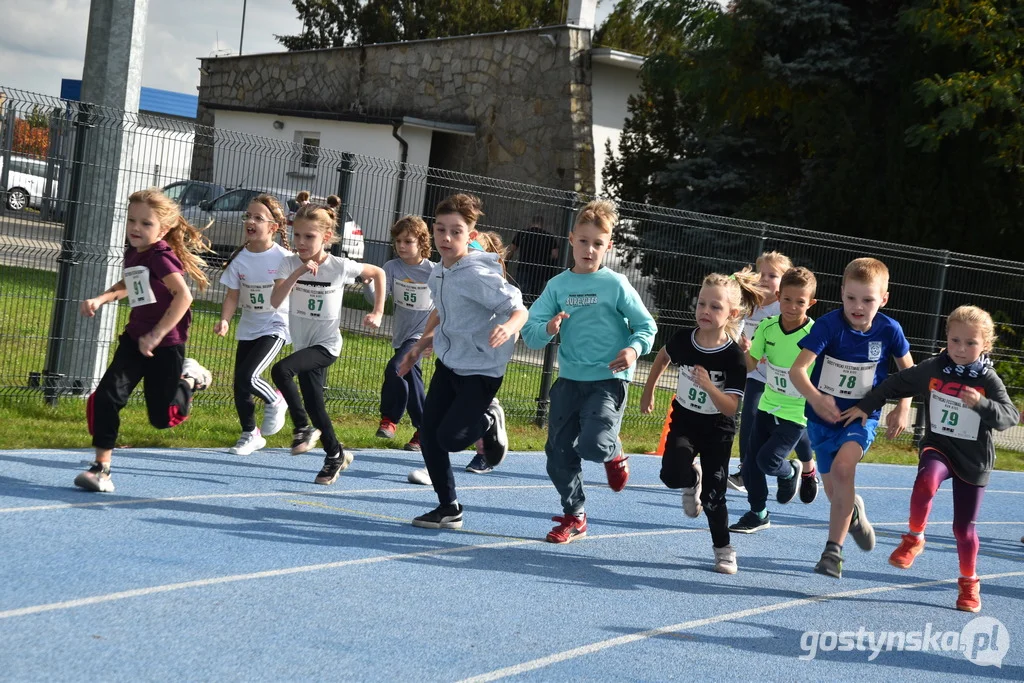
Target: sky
{"points": [[44, 40]]}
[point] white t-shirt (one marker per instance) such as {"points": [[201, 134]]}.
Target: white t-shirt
{"points": [[253, 275], [749, 325], [314, 313]]}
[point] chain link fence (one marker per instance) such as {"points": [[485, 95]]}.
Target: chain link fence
{"points": [[68, 169]]}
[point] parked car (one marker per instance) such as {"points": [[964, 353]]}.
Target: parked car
{"points": [[224, 214], [26, 181], [192, 192]]}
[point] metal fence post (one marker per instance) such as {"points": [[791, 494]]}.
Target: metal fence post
{"points": [[551, 350], [344, 194], [5, 150], [933, 333], [69, 258]]}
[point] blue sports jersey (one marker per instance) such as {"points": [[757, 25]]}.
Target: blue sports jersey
{"points": [[849, 362]]}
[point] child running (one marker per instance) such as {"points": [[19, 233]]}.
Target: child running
{"points": [[162, 249], [712, 372], [472, 329], [770, 265], [604, 328], [262, 329], [964, 400], [407, 278], [314, 288], [852, 347], [779, 422]]}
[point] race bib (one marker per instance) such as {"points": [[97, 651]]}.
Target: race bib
{"points": [[140, 290], [255, 296], [692, 397], [749, 328], [316, 303], [778, 380], [846, 380], [412, 295], [951, 417]]}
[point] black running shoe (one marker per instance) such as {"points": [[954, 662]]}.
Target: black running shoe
{"points": [[441, 517], [808, 487], [495, 438], [830, 564], [750, 523], [786, 488]]}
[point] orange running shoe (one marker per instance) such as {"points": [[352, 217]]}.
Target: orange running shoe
{"points": [[909, 548], [969, 599]]}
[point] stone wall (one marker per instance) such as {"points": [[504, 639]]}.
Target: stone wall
{"points": [[527, 93]]}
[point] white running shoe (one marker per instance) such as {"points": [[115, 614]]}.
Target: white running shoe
{"points": [[248, 442], [725, 560], [273, 416], [691, 496], [420, 476], [199, 375]]}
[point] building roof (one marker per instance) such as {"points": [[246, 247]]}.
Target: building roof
{"points": [[151, 100]]}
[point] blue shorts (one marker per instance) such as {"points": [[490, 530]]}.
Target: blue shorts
{"points": [[827, 440]]}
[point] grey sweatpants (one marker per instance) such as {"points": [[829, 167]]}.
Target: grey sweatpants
{"points": [[584, 424]]}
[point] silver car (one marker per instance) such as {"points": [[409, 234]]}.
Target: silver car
{"points": [[226, 232]]}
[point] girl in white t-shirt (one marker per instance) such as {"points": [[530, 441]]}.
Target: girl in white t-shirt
{"points": [[262, 330], [312, 280]]}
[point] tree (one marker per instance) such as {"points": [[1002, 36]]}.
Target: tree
{"points": [[338, 23], [31, 140]]}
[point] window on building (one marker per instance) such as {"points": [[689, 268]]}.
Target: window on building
{"points": [[310, 150]]}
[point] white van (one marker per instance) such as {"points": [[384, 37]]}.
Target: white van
{"points": [[26, 181]]}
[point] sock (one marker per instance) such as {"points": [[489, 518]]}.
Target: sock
{"points": [[919, 534], [791, 474], [811, 472], [105, 466], [832, 545], [580, 515], [762, 514], [969, 578]]}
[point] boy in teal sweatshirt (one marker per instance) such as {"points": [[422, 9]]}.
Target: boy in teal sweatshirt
{"points": [[604, 328]]}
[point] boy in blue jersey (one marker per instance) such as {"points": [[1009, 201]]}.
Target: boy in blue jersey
{"points": [[852, 347], [604, 328]]}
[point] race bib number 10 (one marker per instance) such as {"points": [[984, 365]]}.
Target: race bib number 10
{"points": [[140, 290], [778, 380]]}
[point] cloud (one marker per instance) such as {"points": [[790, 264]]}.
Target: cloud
{"points": [[44, 40]]}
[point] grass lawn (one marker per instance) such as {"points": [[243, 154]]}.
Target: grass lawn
{"points": [[26, 302]]}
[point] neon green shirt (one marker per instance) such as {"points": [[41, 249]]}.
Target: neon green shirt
{"points": [[779, 348]]}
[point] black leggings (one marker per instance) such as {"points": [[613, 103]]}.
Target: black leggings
{"points": [[168, 396], [310, 364], [714, 449], [252, 358], [453, 418]]}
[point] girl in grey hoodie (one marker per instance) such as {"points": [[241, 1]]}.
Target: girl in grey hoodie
{"points": [[473, 329]]}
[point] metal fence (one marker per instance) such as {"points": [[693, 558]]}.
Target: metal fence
{"points": [[69, 246]]}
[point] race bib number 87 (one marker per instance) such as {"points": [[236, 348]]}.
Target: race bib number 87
{"points": [[316, 303]]}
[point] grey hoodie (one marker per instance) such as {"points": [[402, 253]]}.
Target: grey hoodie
{"points": [[471, 298]]}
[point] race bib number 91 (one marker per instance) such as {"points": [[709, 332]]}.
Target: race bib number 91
{"points": [[140, 290]]}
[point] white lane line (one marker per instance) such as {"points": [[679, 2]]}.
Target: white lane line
{"points": [[404, 489], [269, 494], [287, 571], [558, 657]]}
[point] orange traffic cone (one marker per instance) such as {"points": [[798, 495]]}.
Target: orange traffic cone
{"points": [[660, 450]]}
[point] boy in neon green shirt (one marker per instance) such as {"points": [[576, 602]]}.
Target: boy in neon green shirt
{"points": [[780, 420]]}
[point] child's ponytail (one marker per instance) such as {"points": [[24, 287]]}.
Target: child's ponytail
{"points": [[744, 292], [185, 239]]}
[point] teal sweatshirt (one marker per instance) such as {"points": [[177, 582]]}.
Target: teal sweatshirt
{"points": [[605, 316]]}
